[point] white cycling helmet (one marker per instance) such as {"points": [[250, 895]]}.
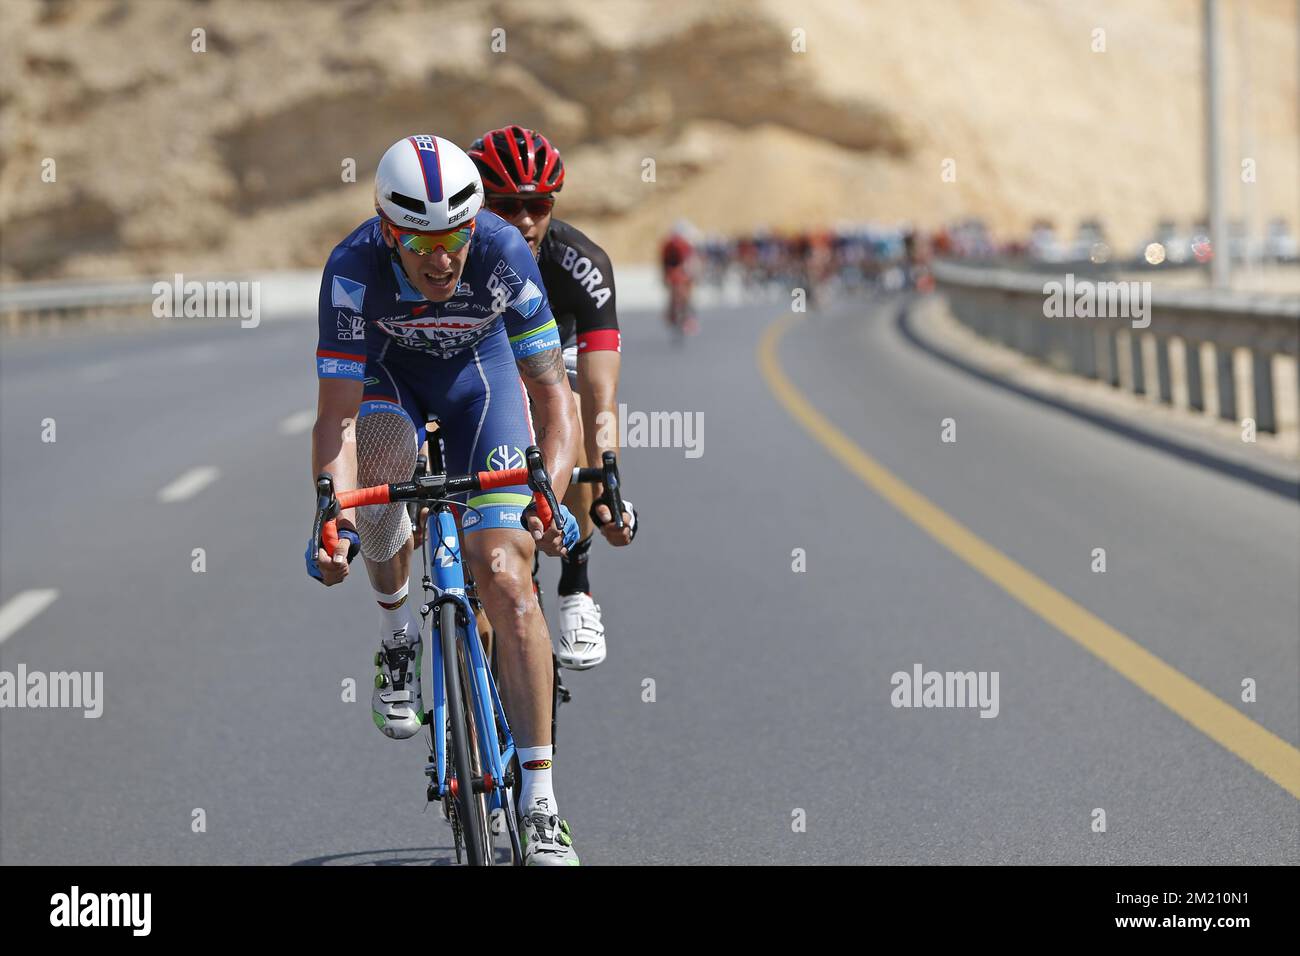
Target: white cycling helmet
{"points": [[427, 183]]}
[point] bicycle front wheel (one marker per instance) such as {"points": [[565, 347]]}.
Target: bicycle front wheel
{"points": [[469, 805]]}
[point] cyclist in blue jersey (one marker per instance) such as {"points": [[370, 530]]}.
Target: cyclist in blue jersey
{"points": [[435, 308]]}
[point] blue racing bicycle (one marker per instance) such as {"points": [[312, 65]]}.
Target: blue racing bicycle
{"points": [[471, 748], [472, 768]]}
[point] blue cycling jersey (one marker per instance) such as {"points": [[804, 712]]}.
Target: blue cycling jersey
{"points": [[455, 360], [367, 303]]}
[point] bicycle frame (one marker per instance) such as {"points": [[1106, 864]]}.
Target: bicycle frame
{"points": [[447, 584]]}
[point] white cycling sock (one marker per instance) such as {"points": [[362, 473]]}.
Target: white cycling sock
{"points": [[535, 789], [397, 613]]}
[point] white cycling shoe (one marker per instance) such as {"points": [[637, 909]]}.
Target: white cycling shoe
{"points": [[582, 635], [547, 840], [397, 704]]}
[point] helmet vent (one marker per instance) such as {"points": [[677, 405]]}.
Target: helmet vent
{"points": [[461, 197], [406, 202]]}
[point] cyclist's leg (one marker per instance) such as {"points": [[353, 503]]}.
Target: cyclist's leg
{"points": [[388, 437], [690, 324], [582, 633], [581, 494], [674, 299], [489, 426], [485, 414]]}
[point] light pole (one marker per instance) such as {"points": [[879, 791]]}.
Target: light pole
{"points": [[1219, 266]]}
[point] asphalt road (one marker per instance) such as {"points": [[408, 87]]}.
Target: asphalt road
{"points": [[772, 688]]}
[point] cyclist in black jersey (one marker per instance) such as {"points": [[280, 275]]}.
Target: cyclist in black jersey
{"points": [[522, 173]]}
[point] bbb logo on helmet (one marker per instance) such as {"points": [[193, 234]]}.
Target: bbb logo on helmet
{"points": [[504, 457], [415, 219], [455, 216]]}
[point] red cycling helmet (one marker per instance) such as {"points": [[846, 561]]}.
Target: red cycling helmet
{"points": [[517, 160]]}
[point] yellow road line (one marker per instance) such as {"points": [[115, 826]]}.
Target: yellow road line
{"points": [[1222, 723]]}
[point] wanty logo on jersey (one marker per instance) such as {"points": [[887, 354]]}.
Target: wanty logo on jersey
{"points": [[503, 457]]}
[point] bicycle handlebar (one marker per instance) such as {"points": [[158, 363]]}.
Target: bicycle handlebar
{"points": [[329, 504]]}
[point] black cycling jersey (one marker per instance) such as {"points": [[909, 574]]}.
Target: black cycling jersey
{"points": [[580, 286]]}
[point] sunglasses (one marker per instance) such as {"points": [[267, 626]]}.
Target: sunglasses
{"points": [[425, 243], [510, 206]]}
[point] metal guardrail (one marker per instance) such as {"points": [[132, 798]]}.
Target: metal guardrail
{"points": [[39, 298], [280, 295], [283, 294], [1207, 351]]}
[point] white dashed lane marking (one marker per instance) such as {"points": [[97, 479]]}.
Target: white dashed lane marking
{"points": [[99, 372], [189, 484], [22, 607], [298, 422]]}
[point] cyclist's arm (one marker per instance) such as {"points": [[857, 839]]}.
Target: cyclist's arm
{"points": [[340, 371], [598, 388], [333, 439], [599, 346], [535, 341], [554, 420]]}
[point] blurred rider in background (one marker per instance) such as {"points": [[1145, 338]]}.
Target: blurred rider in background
{"points": [[676, 257]]}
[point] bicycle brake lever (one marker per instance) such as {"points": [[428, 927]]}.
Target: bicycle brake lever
{"points": [[540, 482], [327, 506], [609, 462]]}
